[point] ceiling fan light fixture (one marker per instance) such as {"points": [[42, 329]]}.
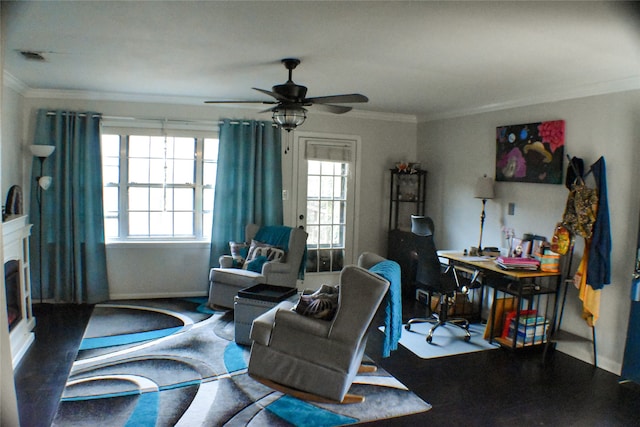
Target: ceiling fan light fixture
{"points": [[289, 117]]}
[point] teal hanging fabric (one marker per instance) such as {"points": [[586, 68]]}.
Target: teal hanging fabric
{"points": [[248, 182], [68, 257]]}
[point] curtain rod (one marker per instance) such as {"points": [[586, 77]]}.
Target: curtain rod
{"points": [[245, 122], [163, 120], [66, 113]]}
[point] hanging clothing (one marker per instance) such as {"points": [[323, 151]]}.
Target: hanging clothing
{"points": [[599, 267], [589, 296]]}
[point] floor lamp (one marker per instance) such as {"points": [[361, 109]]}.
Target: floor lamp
{"points": [[44, 182], [484, 190]]}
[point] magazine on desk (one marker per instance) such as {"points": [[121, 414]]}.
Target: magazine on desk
{"points": [[517, 263]]}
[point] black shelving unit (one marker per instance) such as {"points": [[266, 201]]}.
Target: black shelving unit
{"points": [[407, 196]]}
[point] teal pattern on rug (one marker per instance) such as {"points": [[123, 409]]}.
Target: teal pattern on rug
{"points": [[195, 375]]}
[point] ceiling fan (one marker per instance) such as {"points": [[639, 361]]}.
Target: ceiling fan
{"points": [[290, 100]]}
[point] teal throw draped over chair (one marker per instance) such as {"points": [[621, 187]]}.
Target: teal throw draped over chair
{"points": [[68, 258], [248, 182]]}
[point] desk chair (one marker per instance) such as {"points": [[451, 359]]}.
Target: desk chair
{"points": [[435, 278]]}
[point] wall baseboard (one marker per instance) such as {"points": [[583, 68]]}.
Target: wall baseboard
{"points": [[147, 295]]}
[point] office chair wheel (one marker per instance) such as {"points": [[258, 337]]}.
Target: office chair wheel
{"points": [[467, 338], [407, 326], [429, 339]]}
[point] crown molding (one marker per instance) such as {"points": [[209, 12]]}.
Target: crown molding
{"points": [[601, 88], [10, 81], [185, 100]]}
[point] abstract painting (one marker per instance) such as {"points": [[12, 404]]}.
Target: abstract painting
{"points": [[530, 152]]}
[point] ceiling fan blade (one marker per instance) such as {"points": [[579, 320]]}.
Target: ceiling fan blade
{"points": [[273, 94], [267, 110], [338, 99], [240, 102], [335, 109]]}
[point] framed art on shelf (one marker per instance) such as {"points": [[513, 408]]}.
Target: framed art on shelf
{"points": [[530, 152]]}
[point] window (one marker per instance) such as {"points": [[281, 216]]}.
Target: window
{"points": [[326, 215], [158, 187]]}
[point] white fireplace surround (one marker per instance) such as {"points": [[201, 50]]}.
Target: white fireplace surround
{"points": [[15, 233]]}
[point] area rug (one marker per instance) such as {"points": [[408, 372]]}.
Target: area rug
{"points": [[174, 363], [447, 340]]}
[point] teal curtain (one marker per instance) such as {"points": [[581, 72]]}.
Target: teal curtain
{"points": [[248, 182], [68, 258]]}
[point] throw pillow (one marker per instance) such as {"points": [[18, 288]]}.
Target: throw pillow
{"points": [[256, 264], [321, 304], [239, 253], [263, 249]]}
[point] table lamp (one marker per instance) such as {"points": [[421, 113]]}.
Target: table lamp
{"points": [[484, 191]]}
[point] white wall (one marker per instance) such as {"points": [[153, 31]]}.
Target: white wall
{"points": [[12, 137], [8, 404], [457, 151], [143, 271]]}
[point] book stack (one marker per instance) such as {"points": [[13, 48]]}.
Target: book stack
{"points": [[532, 330], [513, 263]]}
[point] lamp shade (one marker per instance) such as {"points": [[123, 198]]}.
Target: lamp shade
{"points": [[45, 182], [484, 188], [289, 117], [42, 150]]}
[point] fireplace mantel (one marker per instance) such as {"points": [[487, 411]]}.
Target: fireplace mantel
{"points": [[15, 234]]}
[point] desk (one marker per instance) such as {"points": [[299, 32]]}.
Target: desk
{"points": [[531, 288]]}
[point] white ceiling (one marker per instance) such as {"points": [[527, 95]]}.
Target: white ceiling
{"points": [[426, 59]]}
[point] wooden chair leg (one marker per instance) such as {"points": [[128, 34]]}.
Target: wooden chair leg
{"points": [[363, 369], [303, 395]]}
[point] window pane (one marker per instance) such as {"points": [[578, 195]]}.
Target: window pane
{"points": [[313, 212], [156, 171], [207, 199], [110, 145], [339, 214], [110, 174], [210, 151], [160, 224], [326, 212], [314, 234], [313, 187], [184, 148], [157, 147], [138, 199], [139, 170], [325, 235], [326, 186], [183, 223], [111, 227], [313, 167], [138, 224], [209, 173], [138, 146], [207, 219], [183, 172], [183, 199], [156, 199], [110, 199]]}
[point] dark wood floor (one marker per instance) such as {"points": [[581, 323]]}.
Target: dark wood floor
{"points": [[495, 388]]}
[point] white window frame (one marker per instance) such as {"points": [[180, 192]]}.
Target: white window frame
{"points": [[159, 129]]}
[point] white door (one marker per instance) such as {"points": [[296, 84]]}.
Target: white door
{"points": [[325, 203]]}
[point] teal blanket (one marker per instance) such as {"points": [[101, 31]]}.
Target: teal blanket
{"points": [[390, 270]]}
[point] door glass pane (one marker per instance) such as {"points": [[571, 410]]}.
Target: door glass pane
{"points": [[326, 205]]}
